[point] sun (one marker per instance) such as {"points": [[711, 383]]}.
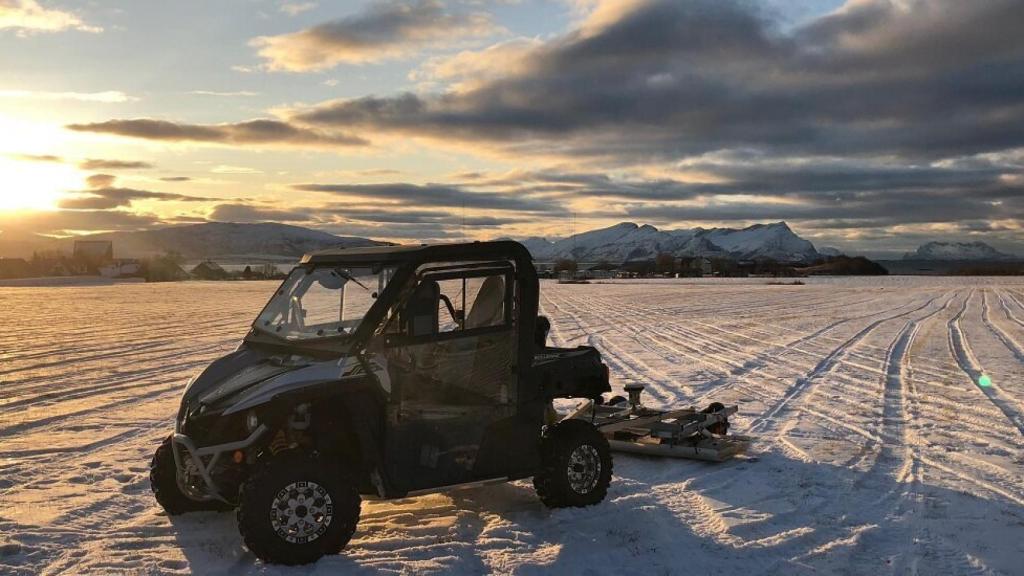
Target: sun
{"points": [[35, 185]]}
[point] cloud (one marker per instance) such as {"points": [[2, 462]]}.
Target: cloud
{"points": [[108, 97], [250, 213], [251, 132], [106, 198], [238, 93], [175, 178], [103, 164], [666, 79], [227, 169], [472, 68], [27, 17], [296, 8], [435, 195], [100, 180], [383, 31], [382, 215], [38, 158]]}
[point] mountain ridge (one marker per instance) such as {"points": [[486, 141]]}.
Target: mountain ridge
{"points": [[628, 241], [958, 251]]}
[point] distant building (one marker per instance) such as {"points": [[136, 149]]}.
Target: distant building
{"points": [[14, 268], [96, 250], [121, 268], [209, 270], [701, 267], [164, 270], [90, 255], [268, 271]]}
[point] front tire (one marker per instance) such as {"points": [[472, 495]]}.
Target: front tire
{"points": [[295, 508], [576, 465], [163, 481]]}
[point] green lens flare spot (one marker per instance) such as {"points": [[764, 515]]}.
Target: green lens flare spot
{"points": [[984, 381]]}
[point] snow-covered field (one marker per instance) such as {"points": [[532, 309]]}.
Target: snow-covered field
{"points": [[879, 453]]}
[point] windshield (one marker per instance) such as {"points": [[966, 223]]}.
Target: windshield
{"points": [[322, 302]]}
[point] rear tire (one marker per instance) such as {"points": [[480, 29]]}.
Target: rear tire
{"points": [[295, 508], [576, 465], [163, 481]]}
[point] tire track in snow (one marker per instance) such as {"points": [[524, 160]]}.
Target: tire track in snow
{"points": [[619, 360], [1008, 340], [1006, 309], [824, 368], [960, 348]]}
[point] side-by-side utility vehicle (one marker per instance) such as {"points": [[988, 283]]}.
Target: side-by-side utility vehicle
{"points": [[387, 372]]}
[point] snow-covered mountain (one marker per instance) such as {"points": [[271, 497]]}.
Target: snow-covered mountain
{"points": [[629, 241], [224, 240], [957, 251]]}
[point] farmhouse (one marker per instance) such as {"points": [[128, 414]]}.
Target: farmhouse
{"points": [[209, 270]]}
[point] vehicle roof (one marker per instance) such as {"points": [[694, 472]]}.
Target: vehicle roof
{"points": [[420, 252]]}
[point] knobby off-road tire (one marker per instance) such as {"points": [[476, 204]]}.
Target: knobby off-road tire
{"points": [[295, 508], [165, 487], [576, 465]]}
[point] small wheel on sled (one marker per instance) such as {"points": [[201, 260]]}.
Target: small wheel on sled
{"points": [[719, 428], [615, 400]]}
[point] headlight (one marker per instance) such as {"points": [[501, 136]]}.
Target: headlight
{"points": [[251, 421]]}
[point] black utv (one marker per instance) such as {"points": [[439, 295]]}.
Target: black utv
{"points": [[383, 372]]}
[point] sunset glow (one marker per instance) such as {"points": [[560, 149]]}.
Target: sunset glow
{"points": [[428, 120], [35, 185]]}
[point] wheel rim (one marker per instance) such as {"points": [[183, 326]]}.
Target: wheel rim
{"points": [[584, 469], [301, 512]]}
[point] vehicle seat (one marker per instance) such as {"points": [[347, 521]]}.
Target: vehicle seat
{"points": [[489, 306]]}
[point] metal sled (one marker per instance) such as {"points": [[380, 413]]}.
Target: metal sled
{"points": [[682, 433]]}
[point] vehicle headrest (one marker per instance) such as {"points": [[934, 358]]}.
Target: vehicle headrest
{"points": [[488, 308]]}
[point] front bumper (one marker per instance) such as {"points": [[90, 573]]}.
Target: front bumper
{"points": [[203, 461]]}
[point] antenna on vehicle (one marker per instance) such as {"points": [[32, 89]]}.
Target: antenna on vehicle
{"points": [[572, 231]]}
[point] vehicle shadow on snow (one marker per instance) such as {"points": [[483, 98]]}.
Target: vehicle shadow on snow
{"points": [[771, 515]]}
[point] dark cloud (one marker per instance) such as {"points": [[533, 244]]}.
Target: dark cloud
{"points": [[436, 195], [383, 30], [175, 178], [108, 198], [250, 213], [859, 211], [672, 79], [101, 164], [384, 215], [271, 132]]}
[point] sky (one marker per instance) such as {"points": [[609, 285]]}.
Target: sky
{"points": [[868, 125]]}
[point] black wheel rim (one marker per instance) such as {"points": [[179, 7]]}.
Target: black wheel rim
{"points": [[584, 469], [301, 512]]}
